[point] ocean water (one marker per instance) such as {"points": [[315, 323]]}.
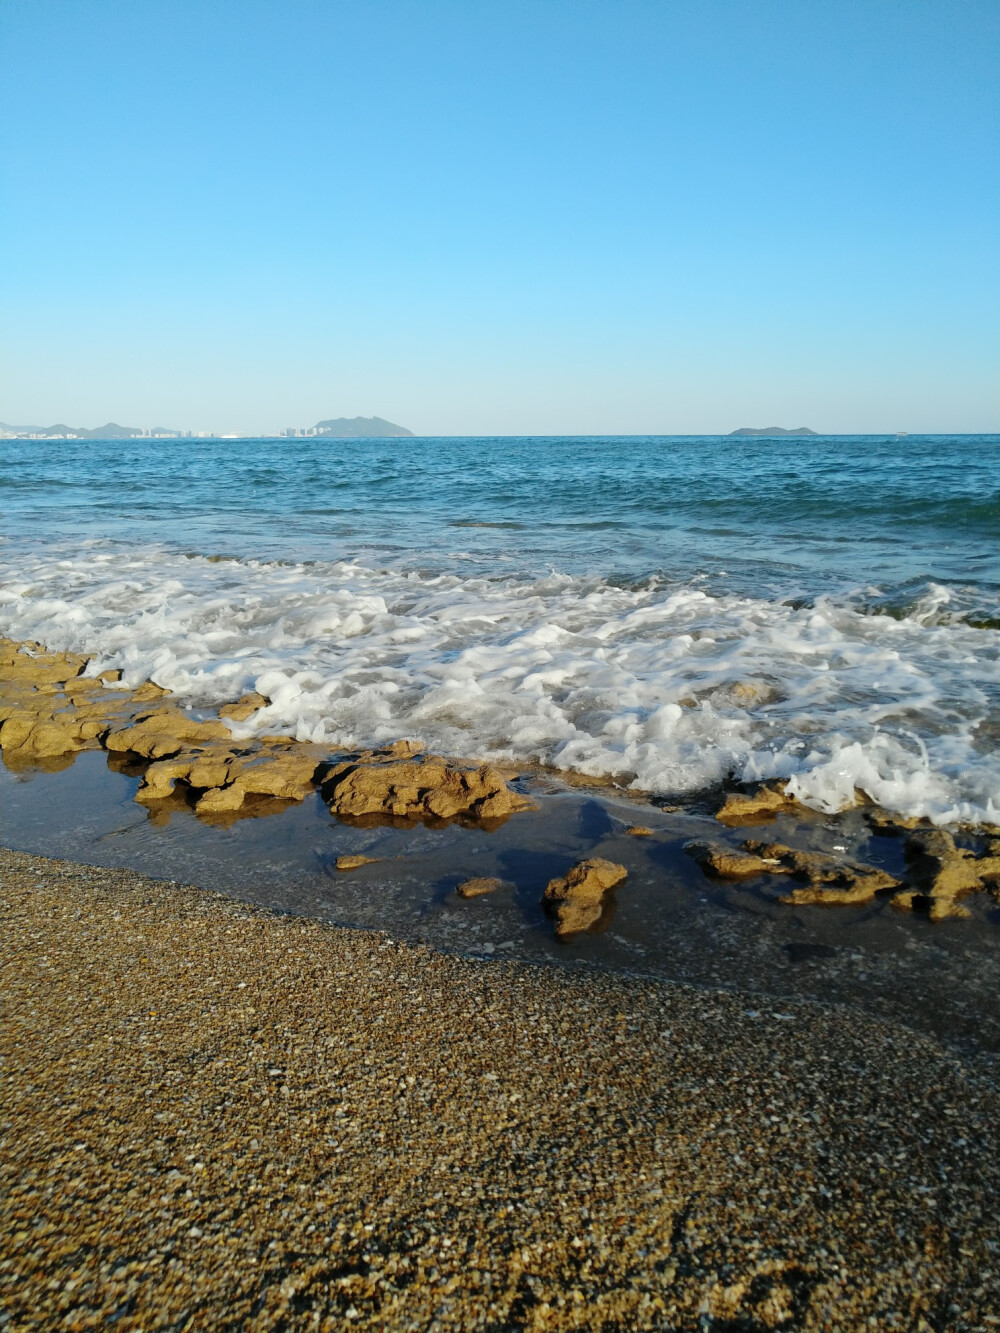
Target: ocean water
{"points": [[670, 612]]}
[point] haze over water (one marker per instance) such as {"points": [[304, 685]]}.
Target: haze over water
{"points": [[670, 611]]}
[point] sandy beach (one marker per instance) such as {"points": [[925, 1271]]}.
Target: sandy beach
{"points": [[223, 1118]]}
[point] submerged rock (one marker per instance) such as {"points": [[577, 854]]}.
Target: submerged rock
{"points": [[576, 900], [479, 887], [941, 873], [423, 788], [354, 861], [226, 775], [724, 863], [829, 880], [639, 831]]}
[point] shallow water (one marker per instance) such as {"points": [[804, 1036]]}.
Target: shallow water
{"points": [[672, 612], [666, 920]]}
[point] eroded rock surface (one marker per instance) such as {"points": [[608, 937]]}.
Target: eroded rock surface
{"points": [[724, 863], [427, 787], [164, 732], [577, 899], [941, 873], [754, 807], [829, 880], [49, 710], [245, 707]]}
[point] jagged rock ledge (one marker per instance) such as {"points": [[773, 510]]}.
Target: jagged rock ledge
{"points": [[49, 710]]}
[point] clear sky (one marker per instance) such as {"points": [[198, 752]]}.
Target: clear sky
{"points": [[495, 216]]}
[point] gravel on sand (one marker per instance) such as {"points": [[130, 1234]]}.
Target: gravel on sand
{"points": [[217, 1118]]}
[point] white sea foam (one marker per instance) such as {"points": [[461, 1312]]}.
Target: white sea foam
{"points": [[672, 686]]}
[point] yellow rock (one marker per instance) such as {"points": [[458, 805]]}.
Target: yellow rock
{"points": [[941, 873], [576, 900], [162, 733], [725, 863], [244, 707], [287, 773], [830, 881], [355, 861], [478, 888], [751, 808], [220, 800], [419, 788]]}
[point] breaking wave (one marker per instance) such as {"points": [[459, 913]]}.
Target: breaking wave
{"points": [[669, 686]]}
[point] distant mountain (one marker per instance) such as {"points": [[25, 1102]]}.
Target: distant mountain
{"points": [[360, 428], [112, 431], [772, 430]]}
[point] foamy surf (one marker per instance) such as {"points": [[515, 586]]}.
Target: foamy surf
{"points": [[667, 687]]}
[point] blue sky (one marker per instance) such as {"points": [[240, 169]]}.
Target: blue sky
{"points": [[496, 217]]}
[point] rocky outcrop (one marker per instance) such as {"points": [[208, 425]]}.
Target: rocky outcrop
{"points": [[426, 788], [225, 776], [755, 807], [245, 707], [940, 873], [577, 899], [163, 733], [828, 879], [48, 710]]}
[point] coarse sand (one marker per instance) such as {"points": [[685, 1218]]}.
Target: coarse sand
{"points": [[218, 1118]]}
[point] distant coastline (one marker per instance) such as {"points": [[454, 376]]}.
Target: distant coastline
{"points": [[772, 430], [344, 428]]}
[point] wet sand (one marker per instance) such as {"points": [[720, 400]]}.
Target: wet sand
{"points": [[222, 1118]]}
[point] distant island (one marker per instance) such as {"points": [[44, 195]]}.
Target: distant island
{"points": [[356, 428], [773, 430]]}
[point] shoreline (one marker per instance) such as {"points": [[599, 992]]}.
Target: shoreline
{"points": [[214, 762], [808, 913], [223, 1114]]}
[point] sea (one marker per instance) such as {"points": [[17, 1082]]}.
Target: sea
{"points": [[669, 613]]}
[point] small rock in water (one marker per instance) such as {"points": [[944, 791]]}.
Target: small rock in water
{"points": [[477, 888], [639, 831], [576, 900], [353, 861]]}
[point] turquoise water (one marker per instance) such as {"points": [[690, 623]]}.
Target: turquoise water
{"points": [[814, 514], [668, 611]]}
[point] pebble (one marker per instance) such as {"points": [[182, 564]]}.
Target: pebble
{"points": [[396, 1138]]}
